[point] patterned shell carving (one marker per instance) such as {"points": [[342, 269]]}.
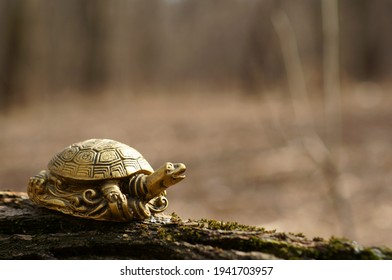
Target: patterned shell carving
{"points": [[97, 159]]}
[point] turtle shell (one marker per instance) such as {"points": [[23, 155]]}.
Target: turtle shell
{"points": [[98, 159]]}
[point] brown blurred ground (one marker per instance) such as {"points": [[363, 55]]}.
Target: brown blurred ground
{"points": [[243, 155]]}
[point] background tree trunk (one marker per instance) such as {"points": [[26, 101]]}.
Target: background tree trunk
{"points": [[31, 232]]}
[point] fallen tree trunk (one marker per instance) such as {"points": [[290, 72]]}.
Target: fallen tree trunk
{"points": [[31, 232]]}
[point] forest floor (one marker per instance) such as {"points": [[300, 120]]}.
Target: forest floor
{"points": [[244, 155]]}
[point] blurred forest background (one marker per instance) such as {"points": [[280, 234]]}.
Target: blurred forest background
{"points": [[280, 109]]}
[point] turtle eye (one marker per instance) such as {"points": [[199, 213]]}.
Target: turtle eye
{"points": [[169, 166]]}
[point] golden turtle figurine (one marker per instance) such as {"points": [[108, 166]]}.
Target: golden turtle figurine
{"points": [[103, 179]]}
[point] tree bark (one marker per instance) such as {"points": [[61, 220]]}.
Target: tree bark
{"points": [[28, 231]]}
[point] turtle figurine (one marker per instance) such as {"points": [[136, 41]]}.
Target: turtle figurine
{"points": [[103, 179]]}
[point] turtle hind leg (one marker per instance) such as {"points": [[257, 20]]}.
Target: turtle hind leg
{"points": [[42, 190], [37, 185]]}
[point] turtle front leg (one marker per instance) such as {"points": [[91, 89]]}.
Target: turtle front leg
{"points": [[112, 193], [124, 208], [117, 201]]}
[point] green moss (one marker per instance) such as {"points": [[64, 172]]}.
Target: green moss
{"points": [[341, 248], [279, 248], [162, 233], [232, 235], [189, 234], [299, 234], [229, 226], [175, 218]]}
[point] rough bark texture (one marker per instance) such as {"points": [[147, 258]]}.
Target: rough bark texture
{"points": [[31, 232]]}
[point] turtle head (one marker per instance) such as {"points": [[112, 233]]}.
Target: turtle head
{"points": [[165, 176], [172, 173]]}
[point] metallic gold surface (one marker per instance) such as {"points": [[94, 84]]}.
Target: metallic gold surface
{"points": [[103, 179]]}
